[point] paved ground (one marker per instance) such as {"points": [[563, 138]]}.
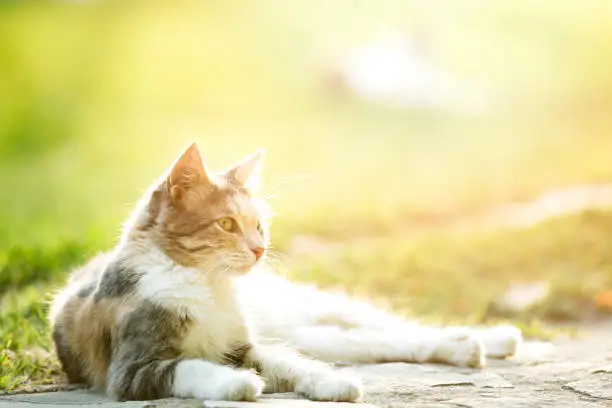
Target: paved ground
{"points": [[568, 373]]}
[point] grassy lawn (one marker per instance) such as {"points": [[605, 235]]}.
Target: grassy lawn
{"points": [[96, 101]]}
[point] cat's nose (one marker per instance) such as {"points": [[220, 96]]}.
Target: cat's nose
{"points": [[258, 251]]}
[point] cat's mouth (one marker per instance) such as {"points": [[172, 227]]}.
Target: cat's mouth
{"points": [[241, 268]]}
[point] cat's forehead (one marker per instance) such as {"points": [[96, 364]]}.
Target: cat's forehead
{"points": [[242, 205], [230, 201]]}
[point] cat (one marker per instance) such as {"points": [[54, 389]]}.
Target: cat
{"points": [[184, 307], [159, 315]]}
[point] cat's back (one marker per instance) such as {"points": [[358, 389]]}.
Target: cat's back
{"points": [[81, 283], [92, 270], [81, 326]]}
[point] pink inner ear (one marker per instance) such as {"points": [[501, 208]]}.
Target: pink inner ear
{"points": [[188, 169], [247, 171]]}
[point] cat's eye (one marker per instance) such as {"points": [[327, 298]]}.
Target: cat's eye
{"points": [[259, 228], [228, 224]]}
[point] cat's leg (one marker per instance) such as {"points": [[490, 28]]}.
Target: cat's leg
{"points": [[418, 344], [285, 370], [337, 328], [153, 378], [208, 381], [500, 341], [349, 314]]}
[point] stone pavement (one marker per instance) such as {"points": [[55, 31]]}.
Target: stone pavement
{"points": [[568, 373]]}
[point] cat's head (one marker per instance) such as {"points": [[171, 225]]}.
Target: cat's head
{"points": [[208, 221]]}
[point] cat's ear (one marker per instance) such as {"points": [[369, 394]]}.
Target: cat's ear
{"points": [[187, 171], [247, 172]]}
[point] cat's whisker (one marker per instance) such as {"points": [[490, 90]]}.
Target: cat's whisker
{"points": [[289, 180], [205, 271], [277, 258], [275, 263], [275, 266], [272, 251]]}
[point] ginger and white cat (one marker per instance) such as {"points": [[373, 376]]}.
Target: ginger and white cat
{"points": [[174, 311]]}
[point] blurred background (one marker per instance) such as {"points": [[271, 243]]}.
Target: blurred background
{"points": [[445, 159]]}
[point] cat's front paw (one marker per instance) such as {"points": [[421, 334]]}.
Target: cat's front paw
{"points": [[501, 341], [241, 386], [461, 348], [338, 387]]}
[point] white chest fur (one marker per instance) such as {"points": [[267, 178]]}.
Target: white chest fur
{"points": [[218, 327], [217, 322]]}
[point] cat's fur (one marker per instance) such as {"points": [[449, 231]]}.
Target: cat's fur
{"points": [[173, 311]]}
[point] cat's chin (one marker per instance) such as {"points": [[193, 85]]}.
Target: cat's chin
{"points": [[239, 270]]}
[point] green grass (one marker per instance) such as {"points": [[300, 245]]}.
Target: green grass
{"points": [[458, 275], [98, 100]]}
